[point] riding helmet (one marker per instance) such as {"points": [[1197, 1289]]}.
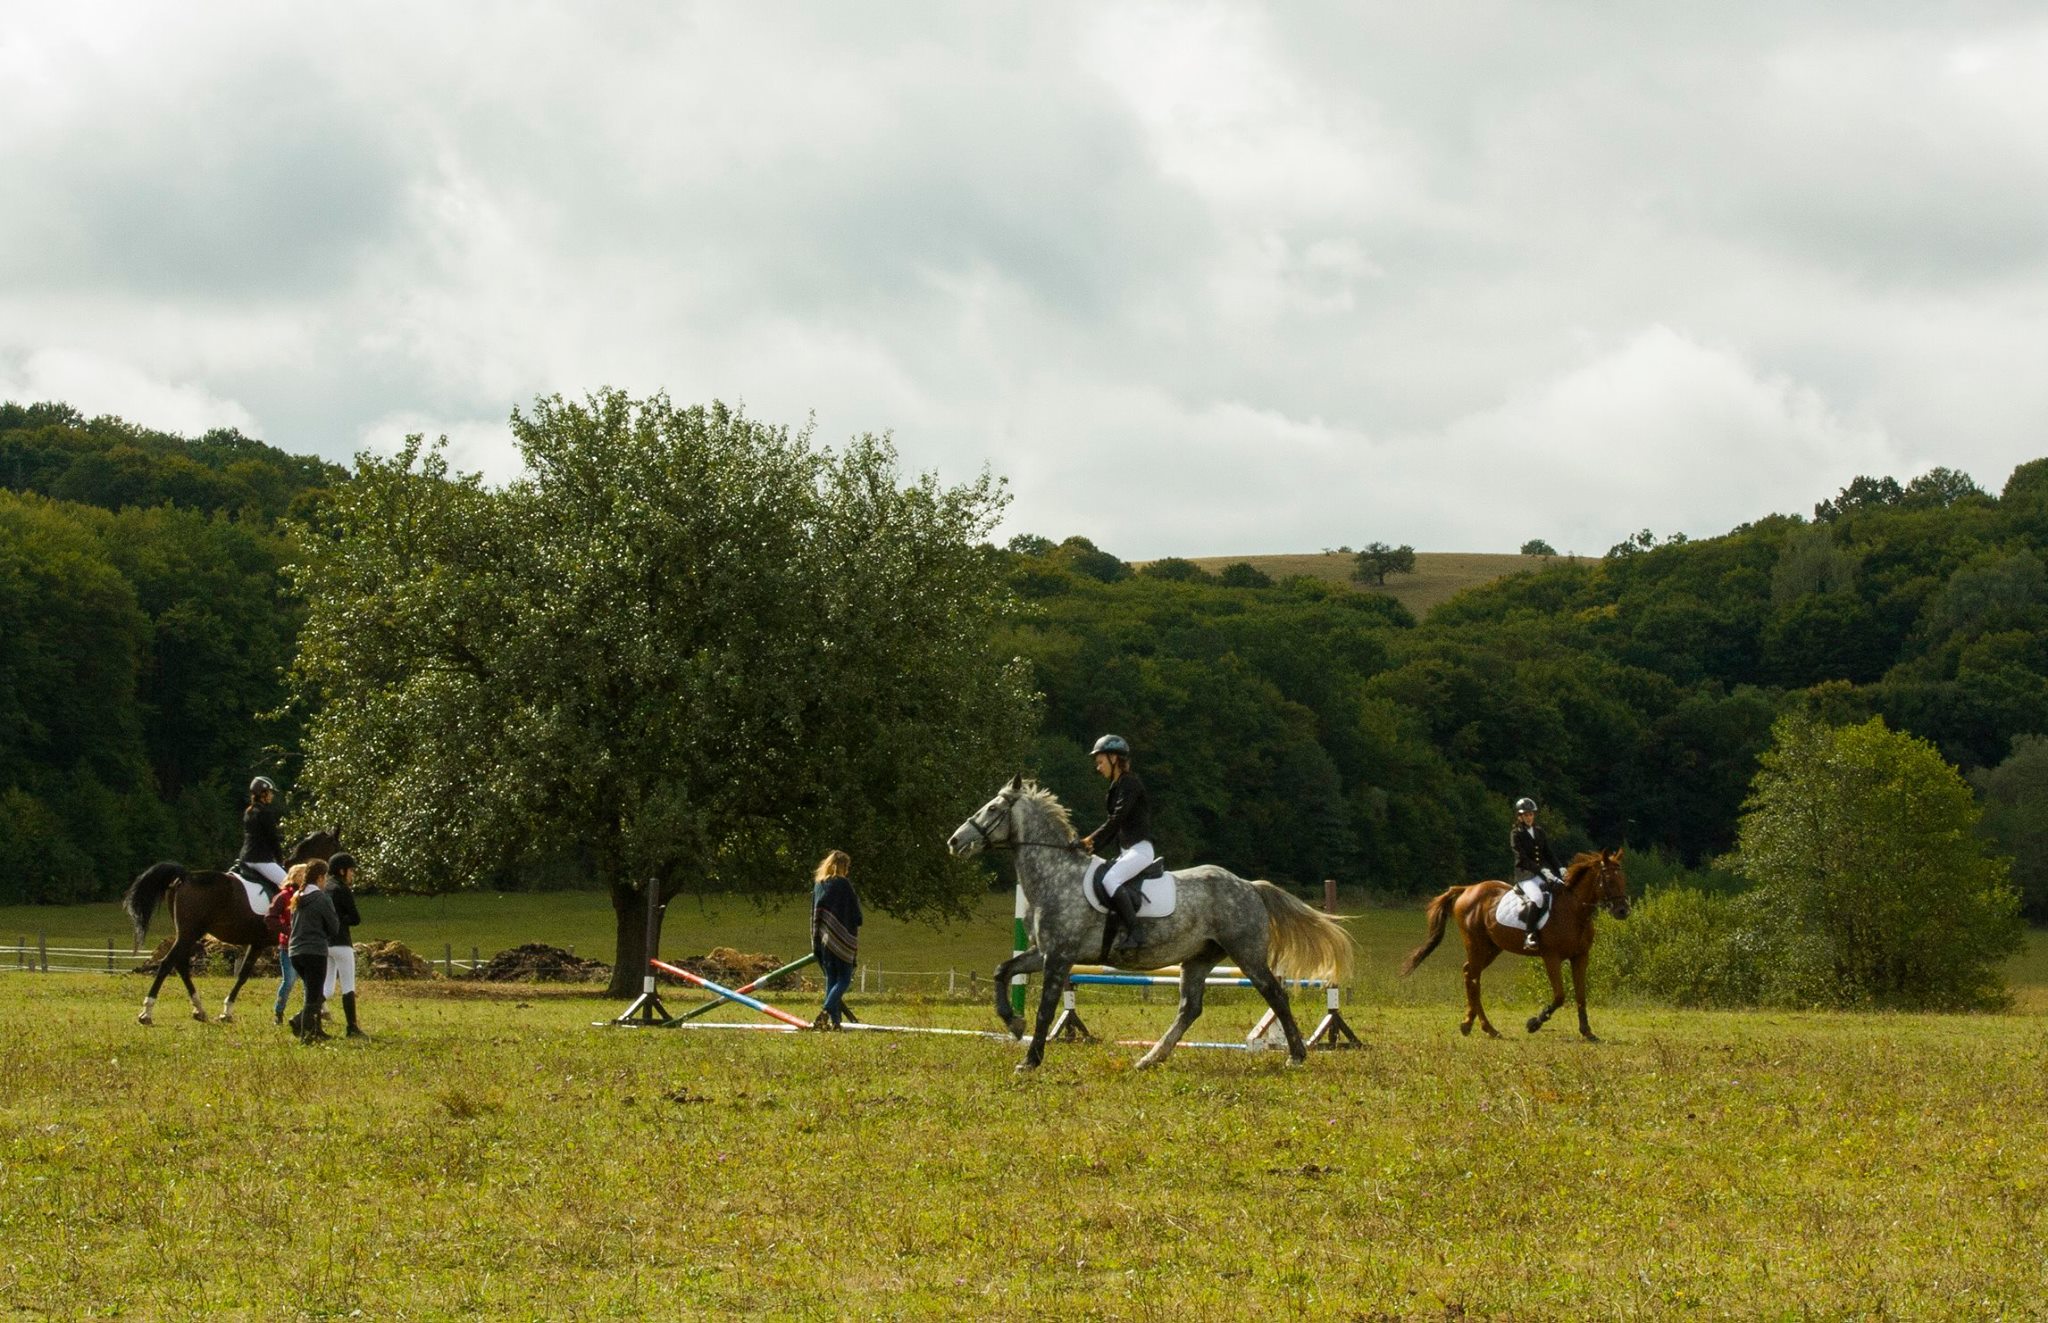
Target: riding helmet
{"points": [[262, 783], [1525, 805], [341, 863], [1111, 744]]}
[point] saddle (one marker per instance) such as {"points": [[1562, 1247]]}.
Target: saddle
{"points": [[1156, 869]]}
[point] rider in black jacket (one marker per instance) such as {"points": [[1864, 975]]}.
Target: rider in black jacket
{"points": [[1129, 829], [261, 860], [1533, 859]]}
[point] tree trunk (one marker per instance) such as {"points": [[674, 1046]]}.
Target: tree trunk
{"points": [[632, 946]]}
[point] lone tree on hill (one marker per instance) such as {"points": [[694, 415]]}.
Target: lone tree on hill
{"points": [[1536, 546], [1378, 560], [683, 647], [1872, 888]]}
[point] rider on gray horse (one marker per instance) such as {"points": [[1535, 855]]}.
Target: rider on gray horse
{"points": [[1129, 829], [1533, 861]]}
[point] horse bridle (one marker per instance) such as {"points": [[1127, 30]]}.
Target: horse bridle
{"points": [[989, 842]]}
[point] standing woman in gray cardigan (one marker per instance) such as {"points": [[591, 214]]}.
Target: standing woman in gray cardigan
{"points": [[315, 927]]}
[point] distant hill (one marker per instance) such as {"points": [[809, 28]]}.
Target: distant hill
{"points": [[1438, 574]]}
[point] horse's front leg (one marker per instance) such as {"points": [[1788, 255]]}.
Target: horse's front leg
{"points": [[1194, 985], [1579, 991], [1555, 968], [1050, 987], [1024, 962], [227, 1008]]}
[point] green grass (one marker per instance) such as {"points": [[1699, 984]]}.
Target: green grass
{"points": [[490, 1153]]}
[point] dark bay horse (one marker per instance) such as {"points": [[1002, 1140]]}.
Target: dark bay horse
{"points": [[210, 904], [1267, 933], [1592, 881]]}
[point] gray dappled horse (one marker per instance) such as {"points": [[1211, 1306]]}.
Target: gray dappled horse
{"points": [[1262, 930]]}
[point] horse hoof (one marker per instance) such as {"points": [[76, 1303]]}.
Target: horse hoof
{"points": [[1535, 1023], [144, 1020], [1466, 1028], [1590, 1036], [199, 1016], [1026, 1067], [1015, 1026], [1492, 1032], [227, 1017], [1294, 1060]]}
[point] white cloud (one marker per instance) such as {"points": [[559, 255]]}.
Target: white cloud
{"points": [[95, 385], [1201, 278]]}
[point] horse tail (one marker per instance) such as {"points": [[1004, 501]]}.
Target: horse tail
{"points": [[1303, 942], [1439, 910], [145, 891]]}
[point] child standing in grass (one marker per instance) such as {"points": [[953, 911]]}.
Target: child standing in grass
{"points": [[315, 927], [281, 909], [835, 934]]}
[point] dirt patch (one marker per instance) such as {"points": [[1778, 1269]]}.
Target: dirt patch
{"points": [[733, 968], [393, 960], [536, 962]]}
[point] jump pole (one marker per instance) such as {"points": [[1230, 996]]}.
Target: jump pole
{"points": [[1018, 945], [729, 994], [766, 978]]}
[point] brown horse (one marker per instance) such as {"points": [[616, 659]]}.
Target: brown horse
{"points": [[1592, 881], [210, 904]]}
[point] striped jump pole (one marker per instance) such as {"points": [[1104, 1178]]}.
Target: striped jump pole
{"points": [[730, 995], [765, 979], [1173, 981]]}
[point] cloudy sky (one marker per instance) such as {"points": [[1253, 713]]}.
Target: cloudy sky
{"points": [[1197, 278]]}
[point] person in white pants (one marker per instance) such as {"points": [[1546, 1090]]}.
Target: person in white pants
{"points": [[341, 955], [262, 848]]}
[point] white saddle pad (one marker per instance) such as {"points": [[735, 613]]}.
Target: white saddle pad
{"points": [[1158, 898], [257, 900], [1508, 912]]}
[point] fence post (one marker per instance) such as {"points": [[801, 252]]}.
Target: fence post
{"points": [[43, 949], [110, 955], [448, 960], [863, 978], [476, 960], [1329, 895], [949, 982]]}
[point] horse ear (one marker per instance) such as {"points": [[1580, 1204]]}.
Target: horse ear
{"points": [[335, 832], [1017, 781], [1617, 852]]}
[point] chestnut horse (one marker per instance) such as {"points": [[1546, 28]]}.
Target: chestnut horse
{"points": [[1592, 881], [210, 904]]}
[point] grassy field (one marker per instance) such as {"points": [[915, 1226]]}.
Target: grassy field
{"points": [[1438, 574], [489, 1152]]}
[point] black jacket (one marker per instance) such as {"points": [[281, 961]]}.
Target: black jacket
{"points": [[1532, 852], [1130, 815], [344, 908], [260, 842]]}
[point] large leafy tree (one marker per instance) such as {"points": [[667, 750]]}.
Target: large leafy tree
{"points": [[1872, 886], [683, 649]]}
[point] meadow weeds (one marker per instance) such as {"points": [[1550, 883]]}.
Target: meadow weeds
{"points": [[494, 1153]]}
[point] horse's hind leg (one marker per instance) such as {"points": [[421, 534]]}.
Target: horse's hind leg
{"points": [[1477, 958], [227, 1008], [182, 955], [1025, 962], [163, 971], [1050, 987], [1194, 976], [1553, 967], [1579, 991]]}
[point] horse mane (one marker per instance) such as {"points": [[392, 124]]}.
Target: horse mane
{"points": [[1048, 801], [1581, 862]]}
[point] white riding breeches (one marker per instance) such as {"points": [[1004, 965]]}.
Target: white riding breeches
{"points": [[274, 872], [1128, 865], [341, 970]]}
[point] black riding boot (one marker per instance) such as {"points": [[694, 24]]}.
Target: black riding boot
{"points": [[348, 1010], [1125, 902]]}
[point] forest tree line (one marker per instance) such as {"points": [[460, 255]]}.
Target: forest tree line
{"points": [[1293, 730]]}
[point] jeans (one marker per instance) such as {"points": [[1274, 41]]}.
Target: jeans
{"points": [[838, 978], [284, 985]]}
